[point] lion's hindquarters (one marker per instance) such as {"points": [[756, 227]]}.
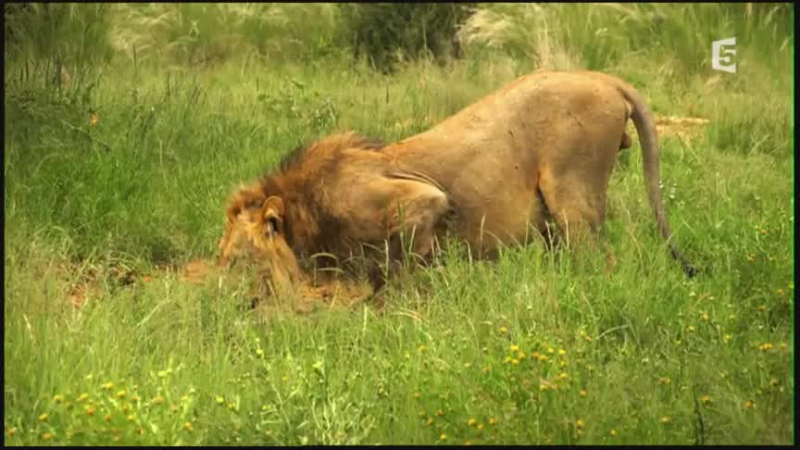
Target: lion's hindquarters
{"points": [[574, 176]]}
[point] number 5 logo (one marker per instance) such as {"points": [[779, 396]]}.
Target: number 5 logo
{"points": [[721, 57]]}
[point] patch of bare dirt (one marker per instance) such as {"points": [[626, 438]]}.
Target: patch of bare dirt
{"points": [[195, 272], [332, 293], [325, 294]]}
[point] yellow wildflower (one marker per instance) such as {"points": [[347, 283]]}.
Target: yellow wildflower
{"points": [[43, 417]]}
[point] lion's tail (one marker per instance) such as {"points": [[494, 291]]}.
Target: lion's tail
{"points": [[644, 121]]}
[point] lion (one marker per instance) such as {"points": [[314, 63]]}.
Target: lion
{"points": [[249, 238], [541, 148]]}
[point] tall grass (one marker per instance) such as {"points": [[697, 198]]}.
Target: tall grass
{"points": [[129, 169], [56, 37], [199, 33], [606, 35]]}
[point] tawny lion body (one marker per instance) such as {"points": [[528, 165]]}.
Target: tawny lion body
{"points": [[542, 146]]}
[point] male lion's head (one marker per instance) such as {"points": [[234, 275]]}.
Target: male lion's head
{"points": [[255, 232]]}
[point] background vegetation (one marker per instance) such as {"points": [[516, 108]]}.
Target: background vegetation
{"points": [[127, 125]]}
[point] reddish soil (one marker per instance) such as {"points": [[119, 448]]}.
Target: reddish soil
{"points": [[326, 294]]}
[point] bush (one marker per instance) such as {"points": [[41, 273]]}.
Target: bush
{"points": [[387, 33]]}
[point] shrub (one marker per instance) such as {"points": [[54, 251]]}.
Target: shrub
{"points": [[388, 33]]}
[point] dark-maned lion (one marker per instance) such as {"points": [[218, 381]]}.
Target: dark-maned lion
{"points": [[541, 147]]}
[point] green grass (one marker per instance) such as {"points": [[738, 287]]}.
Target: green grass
{"points": [[638, 356]]}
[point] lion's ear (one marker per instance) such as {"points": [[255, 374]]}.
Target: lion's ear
{"points": [[273, 206], [272, 213]]}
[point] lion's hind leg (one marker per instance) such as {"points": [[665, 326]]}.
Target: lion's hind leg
{"points": [[577, 206]]}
